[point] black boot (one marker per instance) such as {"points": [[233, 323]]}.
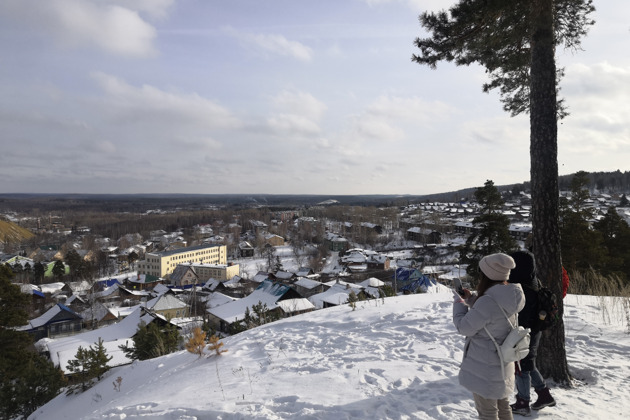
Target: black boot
{"points": [[521, 407], [544, 399]]}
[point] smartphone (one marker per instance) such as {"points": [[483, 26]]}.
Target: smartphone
{"points": [[457, 285]]}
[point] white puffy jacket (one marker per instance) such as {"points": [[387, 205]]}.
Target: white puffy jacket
{"points": [[480, 371]]}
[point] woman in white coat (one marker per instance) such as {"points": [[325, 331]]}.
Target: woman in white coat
{"points": [[480, 371]]}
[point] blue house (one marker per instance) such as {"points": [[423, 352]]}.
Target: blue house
{"points": [[57, 321]]}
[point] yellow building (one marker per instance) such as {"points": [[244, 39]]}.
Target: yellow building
{"points": [[162, 263], [216, 271], [274, 240], [190, 273]]}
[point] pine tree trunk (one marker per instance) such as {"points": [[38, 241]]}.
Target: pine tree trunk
{"points": [[551, 360]]}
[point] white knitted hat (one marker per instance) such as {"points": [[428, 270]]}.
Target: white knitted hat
{"points": [[497, 266]]}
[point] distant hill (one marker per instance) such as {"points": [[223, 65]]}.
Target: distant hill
{"points": [[616, 182], [10, 232]]}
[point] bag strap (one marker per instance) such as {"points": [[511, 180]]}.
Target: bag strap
{"points": [[504, 313], [498, 351], [495, 341]]}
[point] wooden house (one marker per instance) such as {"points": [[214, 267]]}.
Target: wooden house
{"points": [[59, 320], [267, 293], [169, 306], [274, 240], [307, 287], [245, 249], [184, 275]]}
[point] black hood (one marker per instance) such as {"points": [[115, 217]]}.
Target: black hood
{"points": [[525, 271]]}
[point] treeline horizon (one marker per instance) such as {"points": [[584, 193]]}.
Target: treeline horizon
{"points": [[42, 203]]}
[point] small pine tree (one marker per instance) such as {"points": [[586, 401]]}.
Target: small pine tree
{"points": [[237, 327], [152, 341], [208, 329], [79, 367], [38, 272], [386, 291], [248, 320], [259, 315], [89, 364], [581, 242], [263, 315], [197, 342], [278, 266], [216, 344], [491, 233], [59, 269], [99, 360]]}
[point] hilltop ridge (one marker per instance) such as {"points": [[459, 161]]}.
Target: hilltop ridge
{"points": [[10, 232], [390, 358]]}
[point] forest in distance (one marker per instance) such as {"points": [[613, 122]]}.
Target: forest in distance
{"points": [[29, 203], [26, 203]]}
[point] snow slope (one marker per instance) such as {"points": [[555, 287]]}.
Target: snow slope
{"points": [[395, 358]]}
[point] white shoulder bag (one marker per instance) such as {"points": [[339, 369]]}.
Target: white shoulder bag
{"points": [[516, 344]]}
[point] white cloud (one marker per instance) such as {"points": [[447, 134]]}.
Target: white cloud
{"points": [[157, 9], [335, 51], [378, 130], [349, 145], [278, 44], [416, 5], [148, 103], [113, 28], [274, 44], [389, 118], [298, 116], [409, 109], [103, 147], [293, 125], [599, 103], [300, 103], [597, 80]]}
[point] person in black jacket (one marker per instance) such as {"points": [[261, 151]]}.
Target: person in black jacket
{"points": [[525, 274]]}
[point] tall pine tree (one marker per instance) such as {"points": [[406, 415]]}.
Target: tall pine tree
{"points": [[515, 41]]}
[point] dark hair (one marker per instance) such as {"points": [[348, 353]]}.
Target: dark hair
{"points": [[484, 284]]}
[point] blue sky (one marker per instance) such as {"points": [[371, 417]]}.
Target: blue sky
{"points": [[276, 96]]}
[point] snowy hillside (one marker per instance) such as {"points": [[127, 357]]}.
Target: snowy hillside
{"points": [[395, 358]]}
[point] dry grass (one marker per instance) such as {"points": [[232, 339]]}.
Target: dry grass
{"points": [[613, 294], [594, 284]]}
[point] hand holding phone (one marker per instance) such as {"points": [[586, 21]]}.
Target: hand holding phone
{"points": [[457, 286]]}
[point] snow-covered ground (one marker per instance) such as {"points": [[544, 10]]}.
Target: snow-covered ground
{"points": [[393, 358], [252, 265]]}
